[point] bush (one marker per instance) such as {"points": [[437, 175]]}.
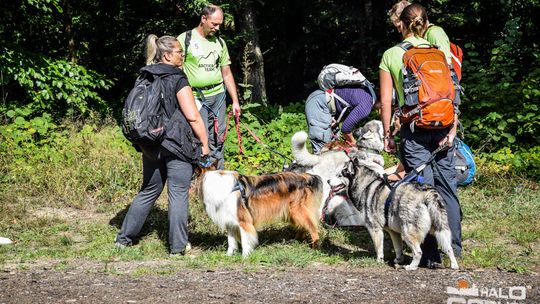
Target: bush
{"points": [[58, 87], [274, 127]]}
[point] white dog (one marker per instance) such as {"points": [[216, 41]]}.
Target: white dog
{"points": [[329, 163]]}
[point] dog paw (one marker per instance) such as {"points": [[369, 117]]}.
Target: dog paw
{"points": [[231, 252], [399, 260], [397, 266], [411, 267], [454, 266]]}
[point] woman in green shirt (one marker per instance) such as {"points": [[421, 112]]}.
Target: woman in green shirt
{"points": [[418, 144]]}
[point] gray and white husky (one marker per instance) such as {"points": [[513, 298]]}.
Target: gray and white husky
{"points": [[328, 164], [413, 211]]}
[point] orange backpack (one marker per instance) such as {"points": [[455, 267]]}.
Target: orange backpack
{"points": [[457, 58], [428, 86]]}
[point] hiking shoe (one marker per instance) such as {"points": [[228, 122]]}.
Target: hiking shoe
{"points": [[120, 246], [181, 252]]}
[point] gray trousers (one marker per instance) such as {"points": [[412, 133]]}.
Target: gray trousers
{"points": [[159, 165], [215, 106], [416, 149], [319, 120]]}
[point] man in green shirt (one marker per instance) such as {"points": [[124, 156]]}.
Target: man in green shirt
{"points": [[207, 66]]}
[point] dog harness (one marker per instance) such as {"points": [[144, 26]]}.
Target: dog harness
{"points": [[239, 186]]}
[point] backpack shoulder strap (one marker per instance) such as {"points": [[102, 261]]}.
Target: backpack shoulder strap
{"points": [[430, 26], [220, 40], [187, 40], [405, 45]]}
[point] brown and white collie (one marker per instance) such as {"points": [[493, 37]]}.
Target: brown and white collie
{"points": [[241, 204]]}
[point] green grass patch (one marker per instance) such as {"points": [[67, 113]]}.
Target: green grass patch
{"points": [[67, 202]]}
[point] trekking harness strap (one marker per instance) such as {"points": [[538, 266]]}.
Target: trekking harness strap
{"points": [[239, 186]]}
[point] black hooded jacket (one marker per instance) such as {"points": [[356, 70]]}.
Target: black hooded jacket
{"points": [[179, 138]]}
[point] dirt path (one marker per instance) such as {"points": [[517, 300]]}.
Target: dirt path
{"points": [[87, 282]]}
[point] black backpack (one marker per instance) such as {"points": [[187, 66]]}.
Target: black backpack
{"points": [[144, 117]]}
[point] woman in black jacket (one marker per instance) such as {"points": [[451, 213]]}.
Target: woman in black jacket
{"points": [[165, 162]]}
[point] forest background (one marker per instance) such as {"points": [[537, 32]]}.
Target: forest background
{"points": [[78, 59]]}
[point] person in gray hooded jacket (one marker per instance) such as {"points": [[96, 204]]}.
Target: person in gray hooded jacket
{"points": [[166, 162]]}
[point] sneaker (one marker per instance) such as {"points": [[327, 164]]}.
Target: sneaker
{"points": [[182, 252], [121, 246]]}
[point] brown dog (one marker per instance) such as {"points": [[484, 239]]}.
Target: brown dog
{"points": [[240, 204]]}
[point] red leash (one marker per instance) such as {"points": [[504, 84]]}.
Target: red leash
{"points": [[238, 134]]}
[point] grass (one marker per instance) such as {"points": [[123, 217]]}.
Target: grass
{"points": [[68, 203]]}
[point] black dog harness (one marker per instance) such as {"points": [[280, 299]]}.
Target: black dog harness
{"points": [[239, 186]]}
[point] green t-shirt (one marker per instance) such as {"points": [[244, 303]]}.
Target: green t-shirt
{"points": [[392, 62], [203, 62], [436, 35]]}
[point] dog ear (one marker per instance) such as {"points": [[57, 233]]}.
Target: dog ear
{"points": [[358, 133], [369, 135]]}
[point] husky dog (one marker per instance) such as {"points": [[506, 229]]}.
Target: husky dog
{"points": [[329, 163], [338, 209], [411, 212], [240, 204]]}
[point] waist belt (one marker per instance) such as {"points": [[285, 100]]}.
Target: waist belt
{"points": [[208, 87]]}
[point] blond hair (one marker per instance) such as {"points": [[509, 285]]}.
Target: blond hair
{"points": [[157, 47], [414, 19], [396, 10]]}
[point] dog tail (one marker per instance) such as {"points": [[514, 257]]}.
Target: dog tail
{"points": [[300, 152], [439, 220]]}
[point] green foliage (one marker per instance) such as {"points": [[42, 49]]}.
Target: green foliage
{"points": [[46, 5], [273, 126], [523, 162], [493, 117], [55, 86], [47, 165]]}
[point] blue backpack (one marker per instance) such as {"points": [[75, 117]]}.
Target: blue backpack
{"points": [[465, 165]]}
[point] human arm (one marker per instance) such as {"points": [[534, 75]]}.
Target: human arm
{"points": [[230, 84], [349, 138], [189, 109], [386, 109]]}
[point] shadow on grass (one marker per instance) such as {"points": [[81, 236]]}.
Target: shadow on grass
{"points": [[357, 243]]}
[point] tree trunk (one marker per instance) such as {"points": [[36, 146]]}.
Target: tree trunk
{"points": [[253, 81], [72, 56]]}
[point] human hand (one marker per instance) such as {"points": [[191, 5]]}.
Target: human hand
{"points": [[236, 109], [205, 150], [389, 144], [448, 140], [349, 139]]}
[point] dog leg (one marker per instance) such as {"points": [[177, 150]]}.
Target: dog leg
{"points": [[233, 235], [377, 235], [302, 217], [398, 246], [444, 238], [414, 242], [248, 237]]}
